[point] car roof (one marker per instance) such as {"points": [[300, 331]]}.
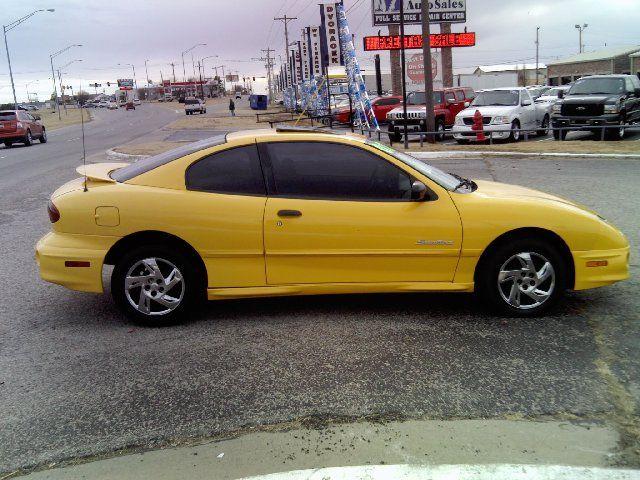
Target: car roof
{"points": [[620, 75], [282, 130]]}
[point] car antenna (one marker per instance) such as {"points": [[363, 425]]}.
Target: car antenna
{"points": [[84, 150]]}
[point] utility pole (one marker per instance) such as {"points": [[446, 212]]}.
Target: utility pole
{"points": [[146, 94], [269, 65], [537, 56], [447, 58], [173, 69], [428, 73], [403, 79], [286, 21]]}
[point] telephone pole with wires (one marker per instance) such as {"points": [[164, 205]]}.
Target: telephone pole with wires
{"points": [[268, 59], [286, 21]]}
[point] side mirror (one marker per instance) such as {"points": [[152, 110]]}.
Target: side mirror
{"points": [[526, 103], [37, 117], [560, 94], [466, 104], [637, 92], [450, 101], [418, 191]]}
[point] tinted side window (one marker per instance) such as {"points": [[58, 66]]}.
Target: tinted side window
{"points": [[459, 95], [469, 93], [388, 101], [629, 85], [333, 171], [231, 171], [449, 96]]}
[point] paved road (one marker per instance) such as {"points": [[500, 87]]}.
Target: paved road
{"points": [[78, 380]]}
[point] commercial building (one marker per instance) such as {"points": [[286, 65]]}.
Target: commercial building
{"points": [[602, 62], [496, 76]]}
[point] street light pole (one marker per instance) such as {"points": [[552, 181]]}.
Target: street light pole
{"points": [[184, 72], [53, 77], [26, 87], [580, 30], [8, 28], [64, 104], [146, 71]]}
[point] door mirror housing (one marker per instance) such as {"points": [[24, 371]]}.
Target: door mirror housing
{"points": [[419, 191], [37, 117], [466, 104], [637, 92], [450, 101], [560, 94], [526, 103]]}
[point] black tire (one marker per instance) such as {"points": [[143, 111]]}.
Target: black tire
{"points": [[545, 127], [43, 137], [440, 129], [28, 139], [514, 136], [8, 144], [460, 141], [616, 133], [488, 274], [559, 134], [190, 288], [395, 137]]}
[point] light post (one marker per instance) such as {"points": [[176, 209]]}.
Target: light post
{"points": [[184, 72], [135, 81], [64, 104], [53, 76], [224, 81], [26, 87], [147, 74], [202, 62], [580, 30], [8, 28]]}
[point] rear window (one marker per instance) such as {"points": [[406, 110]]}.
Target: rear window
{"points": [[190, 102], [7, 116], [147, 164]]}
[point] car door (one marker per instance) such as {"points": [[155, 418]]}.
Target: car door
{"points": [[222, 215], [37, 124], [339, 213], [459, 105], [632, 102], [528, 115]]}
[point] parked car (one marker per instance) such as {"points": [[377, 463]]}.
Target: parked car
{"points": [[595, 101], [380, 105], [136, 102], [112, 105], [505, 112], [551, 95], [20, 126], [129, 106], [192, 104], [298, 212], [536, 90], [447, 103], [103, 104]]}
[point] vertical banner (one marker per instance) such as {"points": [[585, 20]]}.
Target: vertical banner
{"points": [[330, 34], [297, 56], [316, 63], [304, 53], [357, 87]]}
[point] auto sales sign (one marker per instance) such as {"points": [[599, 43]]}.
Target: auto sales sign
{"points": [[387, 12]]}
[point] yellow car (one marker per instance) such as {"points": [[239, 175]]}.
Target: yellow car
{"points": [[298, 212]]}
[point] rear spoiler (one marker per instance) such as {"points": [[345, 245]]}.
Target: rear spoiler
{"points": [[99, 172]]}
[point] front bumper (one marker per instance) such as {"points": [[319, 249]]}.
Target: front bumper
{"points": [[413, 125], [498, 132], [560, 121], [55, 249], [615, 270]]}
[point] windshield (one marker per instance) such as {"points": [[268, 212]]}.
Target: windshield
{"points": [[443, 179], [592, 86], [496, 97], [418, 98]]}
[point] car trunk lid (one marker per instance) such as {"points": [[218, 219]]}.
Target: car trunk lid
{"points": [[8, 122]]}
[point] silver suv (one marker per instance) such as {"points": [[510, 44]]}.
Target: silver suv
{"points": [[192, 104]]}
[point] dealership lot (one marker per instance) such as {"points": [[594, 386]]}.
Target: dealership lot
{"points": [[77, 380]]}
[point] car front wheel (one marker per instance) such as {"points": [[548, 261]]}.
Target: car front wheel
{"points": [[43, 137], [155, 286], [544, 127], [523, 278], [515, 131]]}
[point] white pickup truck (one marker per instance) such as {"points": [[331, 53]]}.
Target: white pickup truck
{"points": [[192, 104], [505, 113]]}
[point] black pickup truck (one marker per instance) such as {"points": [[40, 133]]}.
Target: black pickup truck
{"points": [[610, 100]]}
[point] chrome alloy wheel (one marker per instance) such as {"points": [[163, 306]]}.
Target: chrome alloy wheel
{"points": [[154, 286], [526, 280]]}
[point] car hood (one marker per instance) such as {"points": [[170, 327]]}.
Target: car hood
{"points": [[504, 190], [489, 111], [410, 109], [590, 99]]}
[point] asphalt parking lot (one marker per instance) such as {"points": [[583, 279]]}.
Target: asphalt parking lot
{"points": [[77, 380]]}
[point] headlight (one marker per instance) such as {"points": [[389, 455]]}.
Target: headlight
{"points": [[611, 108], [500, 119], [557, 108], [458, 121]]}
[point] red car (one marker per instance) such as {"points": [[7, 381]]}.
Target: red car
{"points": [[19, 126], [381, 106]]}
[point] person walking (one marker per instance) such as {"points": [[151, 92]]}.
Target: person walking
{"points": [[232, 108]]}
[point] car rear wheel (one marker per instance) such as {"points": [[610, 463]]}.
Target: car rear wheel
{"points": [[544, 127], [440, 129], [28, 139], [43, 137], [395, 137], [515, 131], [8, 144], [155, 286], [522, 278]]}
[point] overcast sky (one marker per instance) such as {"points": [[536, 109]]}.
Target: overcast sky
{"points": [[130, 31]]}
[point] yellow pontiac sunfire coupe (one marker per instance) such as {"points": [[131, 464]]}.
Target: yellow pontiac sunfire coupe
{"points": [[293, 212]]}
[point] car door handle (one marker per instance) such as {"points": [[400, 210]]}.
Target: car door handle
{"points": [[289, 213]]}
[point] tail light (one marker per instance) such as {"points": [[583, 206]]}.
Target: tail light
{"points": [[54, 214], [19, 124]]}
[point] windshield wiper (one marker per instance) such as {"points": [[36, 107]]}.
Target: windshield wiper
{"points": [[464, 182]]}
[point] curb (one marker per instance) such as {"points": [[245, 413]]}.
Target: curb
{"points": [[467, 153], [124, 156]]}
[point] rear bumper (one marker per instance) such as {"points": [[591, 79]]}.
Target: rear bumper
{"points": [[17, 135], [617, 267], [55, 249]]}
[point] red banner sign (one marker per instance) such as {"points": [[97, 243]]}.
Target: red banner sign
{"points": [[414, 42]]}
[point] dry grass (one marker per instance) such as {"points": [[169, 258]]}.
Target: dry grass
{"points": [[551, 146], [151, 148], [215, 123], [71, 117]]}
